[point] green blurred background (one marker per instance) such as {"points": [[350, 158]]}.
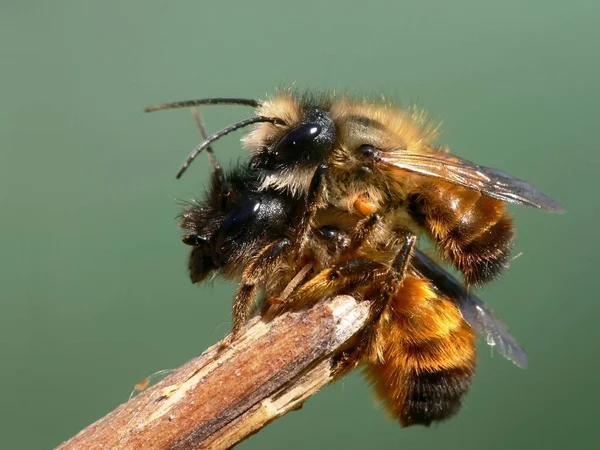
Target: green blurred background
{"points": [[94, 294]]}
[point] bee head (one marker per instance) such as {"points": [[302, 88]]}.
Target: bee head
{"points": [[304, 145]]}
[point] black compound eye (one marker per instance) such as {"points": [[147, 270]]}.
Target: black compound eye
{"points": [[239, 218], [241, 215], [297, 140], [306, 145]]}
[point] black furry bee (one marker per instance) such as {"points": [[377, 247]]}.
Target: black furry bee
{"points": [[260, 237]]}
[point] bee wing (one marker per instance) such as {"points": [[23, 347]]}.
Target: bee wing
{"points": [[487, 324], [474, 311], [491, 182]]}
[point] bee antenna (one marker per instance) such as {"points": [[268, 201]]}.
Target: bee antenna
{"points": [[204, 101], [223, 132], [204, 135]]}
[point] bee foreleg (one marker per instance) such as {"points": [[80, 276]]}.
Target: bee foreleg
{"points": [[265, 262], [397, 269], [339, 279], [362, 232], [382, 293], [394, 276], [313, 198], [379, 295]]}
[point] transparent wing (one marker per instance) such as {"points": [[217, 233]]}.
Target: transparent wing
{"points": [[474, 311], [491, 182]]}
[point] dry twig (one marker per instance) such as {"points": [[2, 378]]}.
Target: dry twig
{"points": [[228, 393]]}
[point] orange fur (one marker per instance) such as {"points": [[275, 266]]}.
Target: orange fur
{"points": [[421, 342], [471, 231], [402, 128]]}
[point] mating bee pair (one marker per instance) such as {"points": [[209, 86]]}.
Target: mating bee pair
{"points": [[331, 201]]}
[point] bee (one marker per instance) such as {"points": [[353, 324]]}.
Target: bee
{"points": [[242, 234], [328, 205], [262, 238], [419, 347], [420, 355], [419, 351], [376, 155]]}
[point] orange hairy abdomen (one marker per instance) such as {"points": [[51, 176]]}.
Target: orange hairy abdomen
{"points": [[473, 232], [422, 356]]}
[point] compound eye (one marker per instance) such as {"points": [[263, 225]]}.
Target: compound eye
{"points": [[241, 215], [299, 139], [304, 146]]}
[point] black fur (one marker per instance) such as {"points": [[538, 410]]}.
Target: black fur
{"points": [[435, 396], [235, 221]]}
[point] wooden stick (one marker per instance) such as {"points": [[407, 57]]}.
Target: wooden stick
{"points": [[230, 392]]}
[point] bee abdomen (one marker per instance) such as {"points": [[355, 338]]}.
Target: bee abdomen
{"points": [[474, 233], [421, 397], [423, 356], [484, 257], [434, 396]]}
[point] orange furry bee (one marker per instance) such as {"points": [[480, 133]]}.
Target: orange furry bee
{"points": [[375, 161], [420, 352], [379, 155]]}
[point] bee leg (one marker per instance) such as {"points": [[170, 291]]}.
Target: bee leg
{"points": [[393, 277], [342, 278], [265, 262], [397, 270], [380, 296], [347, 360], [361, 233], [350, 274], [313, 197]]}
